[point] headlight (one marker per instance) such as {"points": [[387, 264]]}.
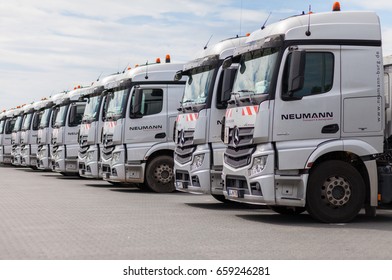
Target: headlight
{"points": [[257, 166], [115, 157], [197, 161], [90, 156]]}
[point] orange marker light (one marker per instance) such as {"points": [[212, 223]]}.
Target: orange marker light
{"points": [[136, 65], [247, 34], [158, 60], [129, 68], [167, 60], [336, 7]]}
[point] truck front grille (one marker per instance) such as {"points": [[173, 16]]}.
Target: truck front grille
{"points": [[184, 147], [240, 147]]}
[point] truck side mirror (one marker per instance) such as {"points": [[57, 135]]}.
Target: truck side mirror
{"points": [[136, 110], [227, 87], [72, 115], [296, 72], [178, 75], [227, 62], [36, 121]]}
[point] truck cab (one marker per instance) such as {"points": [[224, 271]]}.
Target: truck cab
{"points": [[28, 137], [91, 129], [9, 120], [304, 128], [141, 109], [3, 119], [198, 157], [15, 137], [46, 123], [68, 112]]}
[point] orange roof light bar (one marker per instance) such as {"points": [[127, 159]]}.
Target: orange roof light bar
{"points": [[167, 60], [336, 7]]}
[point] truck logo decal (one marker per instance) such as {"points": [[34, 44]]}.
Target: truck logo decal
{"points": [[146, 127], [309, 116]]}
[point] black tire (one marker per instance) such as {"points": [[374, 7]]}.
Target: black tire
{"points": [[335, 192], [160, 175], [288, 211]]}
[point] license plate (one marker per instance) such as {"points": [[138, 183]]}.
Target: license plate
{"points": [[233, 193], [179, 185], [71, 166]]}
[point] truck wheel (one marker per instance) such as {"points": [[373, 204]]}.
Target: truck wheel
{"points": [[335, 192], [288, 211], [159, 174]]}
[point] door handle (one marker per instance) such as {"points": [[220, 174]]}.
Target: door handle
{"points": [[160, 135], [330, 129]]}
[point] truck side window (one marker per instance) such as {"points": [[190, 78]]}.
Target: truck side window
{"points": [[152, 101], [78, 115], [319, 69]]}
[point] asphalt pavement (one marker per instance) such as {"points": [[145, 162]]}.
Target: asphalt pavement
{"points": [[45, 215]]}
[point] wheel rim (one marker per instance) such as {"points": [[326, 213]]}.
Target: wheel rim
{"points": [[336, 191], [163, 174]]}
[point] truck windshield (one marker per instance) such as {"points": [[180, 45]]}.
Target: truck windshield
{"points": [[44, 117], [116, 104], [198, 85], [92, 109], [61, 116], [255, 72], [18, 124], [27, 121]]}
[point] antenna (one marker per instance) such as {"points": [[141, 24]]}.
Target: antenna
{"points": [[205, 47], [241, 19], [308, 33], [265, 22], [125, 67], [99, 76], [146, 77]]}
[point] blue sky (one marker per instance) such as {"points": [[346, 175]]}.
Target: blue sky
{"points": [[49, 46]]}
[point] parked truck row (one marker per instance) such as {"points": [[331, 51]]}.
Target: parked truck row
{"points": [[295, 116]]}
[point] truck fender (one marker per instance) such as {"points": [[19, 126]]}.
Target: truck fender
{"points": [[159, 147]]}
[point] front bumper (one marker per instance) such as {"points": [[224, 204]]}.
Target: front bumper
{"points": [[119, 171], [89, 165], [199, 180], [265, 188], [62, 164]]}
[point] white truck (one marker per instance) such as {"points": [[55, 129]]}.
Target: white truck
{"points": [[198, 157], [90, 135], [8, 123], [137, 136], [68, 109], [306, 126], [3, 124], [28, 136], [16, 158], [47, 117]]}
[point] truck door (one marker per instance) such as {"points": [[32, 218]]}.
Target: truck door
{"points": [[150, 124], [310, 115]]}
